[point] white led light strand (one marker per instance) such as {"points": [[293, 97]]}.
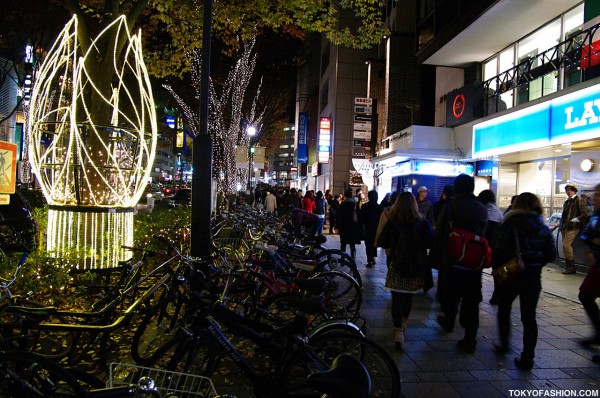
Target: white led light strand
{"points": [[92, 170]]}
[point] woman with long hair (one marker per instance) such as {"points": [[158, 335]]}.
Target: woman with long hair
{"points": [[406, 238], [523, 230]]}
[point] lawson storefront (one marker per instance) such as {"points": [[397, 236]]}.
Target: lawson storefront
{"points": [[544, 146]]}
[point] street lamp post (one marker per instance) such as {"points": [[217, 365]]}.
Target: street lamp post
{"points": [[251, 131]]}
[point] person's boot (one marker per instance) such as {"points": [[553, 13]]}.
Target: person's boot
{"points": [[399, 338], [570, 267]]}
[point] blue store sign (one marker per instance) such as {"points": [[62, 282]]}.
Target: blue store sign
{"points": [[572, 117], [302, 137]]}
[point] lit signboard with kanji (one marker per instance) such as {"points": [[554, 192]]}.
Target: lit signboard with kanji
{"points": [[324, 144]]}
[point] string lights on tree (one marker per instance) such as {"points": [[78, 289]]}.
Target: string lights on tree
{"points": [[225, 116], [92, 146]]}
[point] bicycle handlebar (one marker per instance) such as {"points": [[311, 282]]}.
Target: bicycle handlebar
{"points": [[146, 251], [5, 283]]}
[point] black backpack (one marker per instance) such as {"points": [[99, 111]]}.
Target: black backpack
{"points": [[408, 257]]}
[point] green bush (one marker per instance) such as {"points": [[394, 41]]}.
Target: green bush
{"points": [[53, 281]]}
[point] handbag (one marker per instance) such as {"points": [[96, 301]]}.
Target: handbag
{"points": [[512, 268]]}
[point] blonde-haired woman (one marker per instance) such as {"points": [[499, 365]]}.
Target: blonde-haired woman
{"points": [[406, 238]]}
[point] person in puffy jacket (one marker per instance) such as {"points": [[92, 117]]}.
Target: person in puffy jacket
{"points": [[537, 249], [589, 290]]}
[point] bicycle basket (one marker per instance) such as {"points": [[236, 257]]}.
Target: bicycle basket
{"points": [[182, 385]]}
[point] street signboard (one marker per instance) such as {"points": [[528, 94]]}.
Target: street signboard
{"points": [[363, 101], [241, 156], [362, 117], [362, 134], [363, 109], [302, 137], [324, 144], [8, 167], [359, 151], [362, 126], [363, 143]]}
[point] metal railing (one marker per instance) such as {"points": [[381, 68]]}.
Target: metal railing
{"points": [[577, 51]]}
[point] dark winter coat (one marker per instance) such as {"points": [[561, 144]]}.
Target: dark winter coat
{"points": [[591, 236], [369, 216], [535, 240], [465, 212], [350, 231]]}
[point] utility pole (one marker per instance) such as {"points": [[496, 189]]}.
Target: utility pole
{"points": [[201, 234]]}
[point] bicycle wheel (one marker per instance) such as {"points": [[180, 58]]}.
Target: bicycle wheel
{"points": [[323, 349], [342, 295], [337, 260], [50, 343], [25, 374], [155, 331], [196, 354]]}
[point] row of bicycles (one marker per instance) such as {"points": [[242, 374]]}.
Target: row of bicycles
{"points": [[281, 308]]}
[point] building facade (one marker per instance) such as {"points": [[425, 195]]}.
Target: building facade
{"points": [[508, 93]]}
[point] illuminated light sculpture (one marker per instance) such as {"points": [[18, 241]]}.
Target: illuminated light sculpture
{"points": [[92, 143]]}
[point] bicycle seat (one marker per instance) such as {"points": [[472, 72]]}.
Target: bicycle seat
{"points": [[304, 265], [34, 314], [271, 249], [347, 378], [318, 239]]}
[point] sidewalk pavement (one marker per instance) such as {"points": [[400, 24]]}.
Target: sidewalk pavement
{"points": [[432, 366]]}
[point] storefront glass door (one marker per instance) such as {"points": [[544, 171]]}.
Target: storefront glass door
{"points": [[545, 178]]}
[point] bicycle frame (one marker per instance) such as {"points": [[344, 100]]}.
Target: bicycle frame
{"points": [[209, 326], [95, 322]]}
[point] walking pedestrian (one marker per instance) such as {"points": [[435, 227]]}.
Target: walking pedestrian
{"points": [[370, 213], [573, 218], [270, 202], [320, 210], [385, 202], [334, 205], [589, 290], [462, 285], [425, 206], [347, 224], [495, 216], [446, 196], [308, 202], [407, 236], [523, 229]]}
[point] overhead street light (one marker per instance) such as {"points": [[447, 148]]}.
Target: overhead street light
{"points": [[251, 132]]}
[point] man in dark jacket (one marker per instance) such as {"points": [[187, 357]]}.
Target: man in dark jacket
{"points": [[370, 213], [447, 196], [461, 286]]}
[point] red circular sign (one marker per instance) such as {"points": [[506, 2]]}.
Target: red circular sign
{"points": [[458, 107]]}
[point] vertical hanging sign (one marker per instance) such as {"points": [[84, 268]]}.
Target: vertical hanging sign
{"points": [[363, 108], [324, 144], [302, 137]]}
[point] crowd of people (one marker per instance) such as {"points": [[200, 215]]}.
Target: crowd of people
{"points": [[415, 234]]}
